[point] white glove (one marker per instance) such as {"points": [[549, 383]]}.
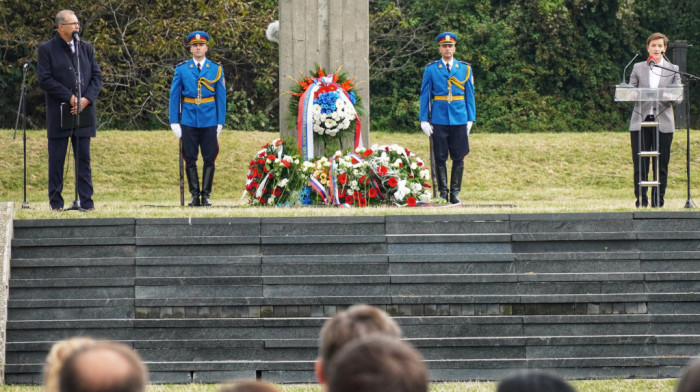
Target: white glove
{"points": [[176, 130], [469, 126], [427, 128], [219, 127]]}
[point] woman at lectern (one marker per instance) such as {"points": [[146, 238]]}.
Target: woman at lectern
{"points": [[655, 72]]}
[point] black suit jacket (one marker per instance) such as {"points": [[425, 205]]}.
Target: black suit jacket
{"points": [[57, 76]]}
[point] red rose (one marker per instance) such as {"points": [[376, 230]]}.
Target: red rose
{"points": [[271, 157], [408, 153], [420, 164], [367, 153], [386, 148], [400, 164], [272, 176], [410, 176], [425, 184], [348, 199], [259, 175], [343, 178], [372, 193], [261, 161], [262, 154], [286, 164], [411, 201], [355, 161], [263, 200], [393, 182], [278, 191], [265, 169], [382, 170]]}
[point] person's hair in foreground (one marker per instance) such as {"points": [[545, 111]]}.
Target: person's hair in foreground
{"points": [[104, 367], [348, 325], [533, 381], [249, 386], [377, 363], [58, 354], [690, 377]]}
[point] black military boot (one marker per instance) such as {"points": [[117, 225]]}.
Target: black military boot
{"points": [[442, 182], [456, 182], [207, 180], [193, 183]]}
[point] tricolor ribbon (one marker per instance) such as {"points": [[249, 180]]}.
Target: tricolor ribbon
{"points": [[319, 188]]}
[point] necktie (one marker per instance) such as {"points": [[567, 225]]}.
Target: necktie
{"points": [[199, 67], [448, 67], [72, 48]]}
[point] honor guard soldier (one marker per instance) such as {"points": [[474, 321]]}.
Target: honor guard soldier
{"points": [[447, 112], [197, 114]]}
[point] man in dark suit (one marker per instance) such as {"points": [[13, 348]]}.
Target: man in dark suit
{"points": [[646, 75], [57, 74]]}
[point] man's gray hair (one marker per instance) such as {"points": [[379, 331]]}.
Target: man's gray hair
{"points": [[61, 16]]}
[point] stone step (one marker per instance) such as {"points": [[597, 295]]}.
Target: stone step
{"points": [[308, 328], [440, 370]]}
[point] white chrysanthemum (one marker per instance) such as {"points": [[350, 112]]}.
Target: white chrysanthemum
{"points": [[316, 108], [283, 183], [318, 129], [414, 166], [339, 103], [424, 196], [424, 174], [330, 123]]}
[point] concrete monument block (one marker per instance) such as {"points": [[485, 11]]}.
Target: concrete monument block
{"points": [[330, 33]]}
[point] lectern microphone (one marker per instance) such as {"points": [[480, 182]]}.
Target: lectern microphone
{"points": [[76, 36], [651, 62], [624, 71]]}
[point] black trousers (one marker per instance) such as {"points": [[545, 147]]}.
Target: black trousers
{"points": [[450, 139], [665, 141], [194, 139], [57, 156]]}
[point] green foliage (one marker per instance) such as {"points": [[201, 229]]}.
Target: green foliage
{"points": [[539, 65], [138, 45]]}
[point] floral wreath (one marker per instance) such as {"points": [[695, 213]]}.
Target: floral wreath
{"points": [[325, 106], [381, 175]]}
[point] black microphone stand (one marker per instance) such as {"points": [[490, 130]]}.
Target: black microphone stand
{"points": [[689, 78], [76, 125], [22, 111]]}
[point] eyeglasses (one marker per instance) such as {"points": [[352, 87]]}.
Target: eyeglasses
{"points": [[71, 24]]}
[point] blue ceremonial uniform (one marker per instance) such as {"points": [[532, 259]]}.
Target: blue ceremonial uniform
{"points": [[447, 103], [187, 83], [198, 105], [436, 80]]}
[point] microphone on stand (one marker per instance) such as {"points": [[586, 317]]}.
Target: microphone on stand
{"points": [[76, 36], [26, 66], [651, 62], [624, 71]]}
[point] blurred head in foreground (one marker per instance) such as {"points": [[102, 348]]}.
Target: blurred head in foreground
{"points": [[59, 352], [103, 367], [348, 325], [533, 381], [377, 363]]}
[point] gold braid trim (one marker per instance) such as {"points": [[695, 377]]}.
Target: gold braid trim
{"points": [[457, 82], [207, 83]]}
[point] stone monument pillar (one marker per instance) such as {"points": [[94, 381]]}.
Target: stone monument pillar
{"points": [[328, 32]]}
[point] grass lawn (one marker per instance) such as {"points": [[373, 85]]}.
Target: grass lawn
{"points": [[135, 174], [581, 386]]}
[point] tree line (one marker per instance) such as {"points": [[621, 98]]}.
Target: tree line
{"points": [[539, 65]]}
